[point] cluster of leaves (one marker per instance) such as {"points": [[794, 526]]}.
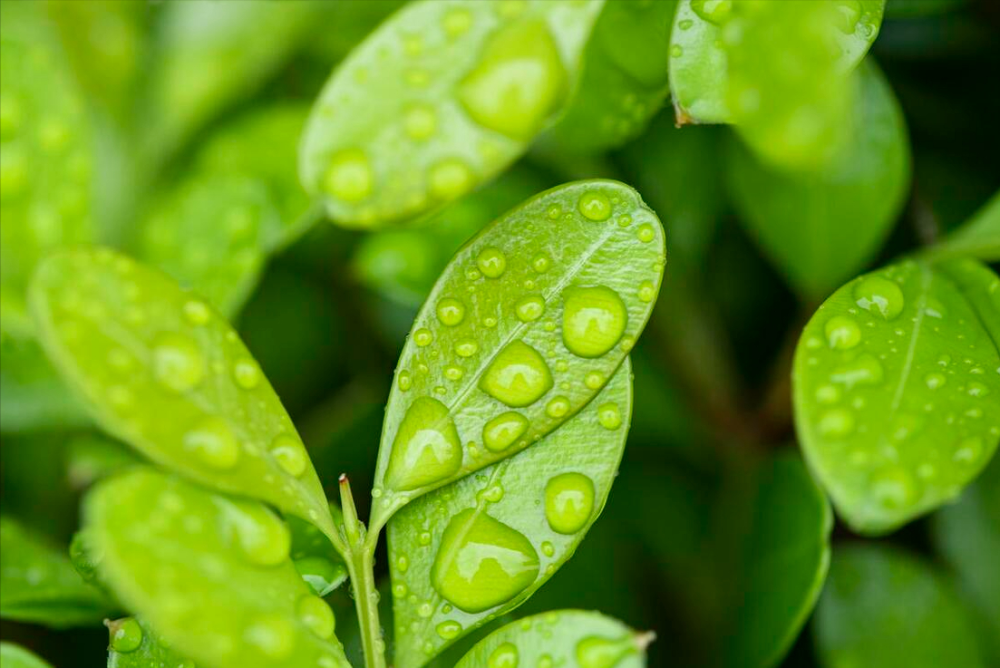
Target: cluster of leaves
{"points": [[156, 158]]}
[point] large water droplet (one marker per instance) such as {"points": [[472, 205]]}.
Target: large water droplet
{"points": [[349, 177], [842, 332], [518, 82], [448, 629], [492, 262], [530, 308], [713, 11], [569, 502], [504, 656], [595, 206], [213, 443], [482, 562], [517, 376], [865, 370], [289, 454], [426, 448], [450, 311], [502, 431], [594, 320], [880, 295], [274, 636], [595, 652], [317, 616], [177, 362]]}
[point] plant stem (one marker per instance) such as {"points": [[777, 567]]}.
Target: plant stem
{"points": [[361, 568]]}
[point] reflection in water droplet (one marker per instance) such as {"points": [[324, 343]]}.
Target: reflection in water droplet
{"points": [[450, 311], [842, 332], [530, 308], [569, 502], [504, 656], [213, 443], [502, 431], [594, 320], [482, 562], [404, 381], [517, 376], [349, 177], [879, 295], [290, 454], [594, 380], [492, 262], [177, 362], [518, 82], [317, 616], [595, 206], [426, 448], [609, 416], [449, 629], [646, 233]]}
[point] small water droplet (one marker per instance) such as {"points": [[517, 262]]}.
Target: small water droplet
{"points": [[836, 423], [893, 488], [246, 373], [349, 177], [530, 308], [492, 262], [569, 502], [196, 312], [976, 389], [177, 362], [449, 629], [453, 372], [541, 263], [450, 312], [646, 233], [404, 381], [647, 291], [715, 12], [423, 337], [420, 122], [596, 652], [213, 443], [450, 178], [290, 454], [865, 370], [842, 333], [456, 21], [609, 416], [935, 380], [466, 347], [969, 450], [502, 431]]}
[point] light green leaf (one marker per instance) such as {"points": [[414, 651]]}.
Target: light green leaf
{"points": [[214, 230], [561, 638], [978, 238], [137, 348], [90, 457], [15, 656], [820, 227], [210, 573], [530, 320], [492, 74], [528, 513], [624, 80], [34, 396], [968, 535], [897, 392], [47, 145], [698, 82], [133, 644], [38, 584], [878, 593]]}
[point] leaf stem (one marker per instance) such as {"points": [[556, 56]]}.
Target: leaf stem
{"points": [[361, 568]]}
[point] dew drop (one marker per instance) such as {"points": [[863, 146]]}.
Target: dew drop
{"points": [[645, 233], [450, 178], [404, 381], [530, 308], [847, 13], [879, 295], [177, 362], [557, 407], [541, 263], [969, 450], [450, 312], [212, 441], [836, 423], [456, 21], [263, 538], [827, 394], [289, 454], [196, 312], [976, 389], [426, 448], [594, 320], [504, 656], [349, 177], [448, 629], [517, 376], [126, 635], [317, 616], [594, 380], [246, 373], [502, 431], [569, 502], [548, 549], [865, 370], [453, 372], [423, 337], [595, 206], [609, 416], [466, 347], [935, 380], [492, 262], [715, 12], [647, 291], [842, 333]]}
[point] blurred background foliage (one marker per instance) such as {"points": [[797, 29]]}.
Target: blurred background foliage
{"points": [[188, 115]]}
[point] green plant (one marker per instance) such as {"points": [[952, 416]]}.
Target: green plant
{"points": [[193, 355]]}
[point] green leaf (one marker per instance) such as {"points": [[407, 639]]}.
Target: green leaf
{"points": [[138, 348], [209, 54], [530, 320], [968, 535], [15, 656], [624, 80], [820, 227], [441, 98], [978, 238], [561, 638], [214, 230], [698, 80], [133, 644], [314, 558], [210, 573], [877, 593], [47, 143], [34, 396], [897, 393], [90, 457], [38, 584], [528, 512]]}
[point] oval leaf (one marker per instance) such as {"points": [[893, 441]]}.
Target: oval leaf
{"points": [[876, 593], [211, 574], [528, 512], [820, 227], [38, 584], [529, 321], [561, 638], [492, 74], [139, 348], [133, 644], [897, 392], [15, 656], [624, 80]]}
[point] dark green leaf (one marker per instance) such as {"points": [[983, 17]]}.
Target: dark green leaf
{"points": [[133, 644], [820, 227], [138, 348], [624, 80], [897, 391], [15, 656], [883, 608], [38, 584], [428, 106], [528, 512], [561, 638], [530, 320], [210, 573], [314, 558]]}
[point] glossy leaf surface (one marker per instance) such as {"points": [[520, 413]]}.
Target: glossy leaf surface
{"points": [[47, 144], [133, 644], [137, 347], [439, 99], [876, 593], [564, 637], [38, 584], [821, 226], [968, 535], [210, 573], [624, 80], [15, 656], [530, 320], [896, 391], [528, 512], [978, 238]]}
